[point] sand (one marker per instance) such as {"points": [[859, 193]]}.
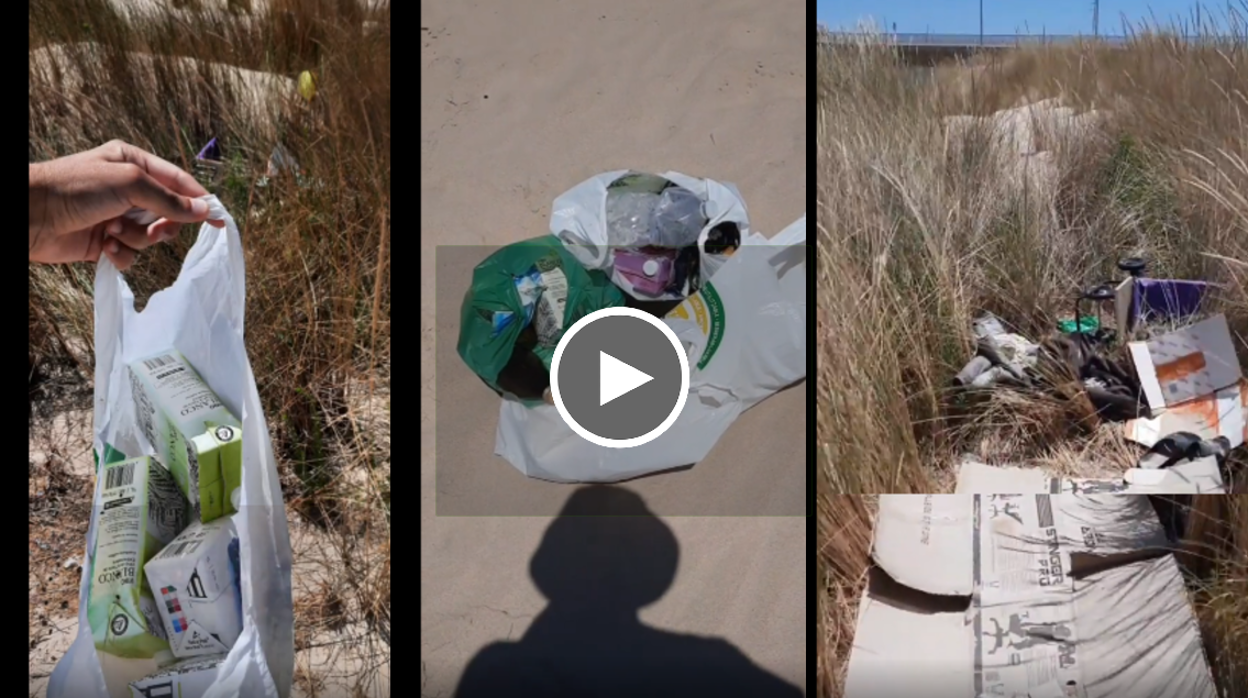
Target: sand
{"points": [[519, 102]]}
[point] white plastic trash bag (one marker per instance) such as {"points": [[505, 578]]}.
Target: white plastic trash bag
{"points": [[579, 218], [200, 315], [745, 336]]}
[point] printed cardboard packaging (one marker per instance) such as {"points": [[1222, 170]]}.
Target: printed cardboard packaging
{"points": [[1197, 476], [195, 582], [1191, 380], [1024, 595], [141, 510], [194, 435], [189, 678]]}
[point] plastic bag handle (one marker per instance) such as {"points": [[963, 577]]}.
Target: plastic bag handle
{"points": [[108, 277]]}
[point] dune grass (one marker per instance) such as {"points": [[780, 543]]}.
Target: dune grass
{"points": [[316, 245], [916, 237]]}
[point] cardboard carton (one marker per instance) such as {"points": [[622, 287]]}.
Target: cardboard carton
{"points": [[1024, 595], [195, 582], [189, 678], [141, 510], [1198, 476], [1190, 363], [192, 432]]}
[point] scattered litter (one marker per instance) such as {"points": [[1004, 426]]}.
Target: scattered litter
{"points": [[307, 85], [280, 161], [1024, 595], [212, 151], [1160, 369], [1086, 324], [999, 355]]}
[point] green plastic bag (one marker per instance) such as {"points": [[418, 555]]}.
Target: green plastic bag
{"points": [[521, 301]]}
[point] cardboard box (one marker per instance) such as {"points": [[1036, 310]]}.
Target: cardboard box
{"points": [[1199, 476], [141, 510], [195, 581], [189, 678], [1024, 595], [1189, 363], [1220, 413], [192, 432]]}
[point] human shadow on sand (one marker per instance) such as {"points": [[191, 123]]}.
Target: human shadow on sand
{"points": [[604, 558]]}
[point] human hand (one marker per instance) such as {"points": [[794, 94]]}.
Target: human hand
{"points": [[78, 204]]}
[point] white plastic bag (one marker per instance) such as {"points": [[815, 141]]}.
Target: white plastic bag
{"points": [[579, 219], [745, 337], [201, 315]]}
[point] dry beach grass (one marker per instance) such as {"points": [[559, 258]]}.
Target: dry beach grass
{"points": [[318, 314], [916, 237]]}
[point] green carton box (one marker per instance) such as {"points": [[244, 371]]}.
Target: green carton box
{"points": [[141, 510], [194, 435]]}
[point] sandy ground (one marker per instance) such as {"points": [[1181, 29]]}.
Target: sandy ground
{"points": [[520, 101]]}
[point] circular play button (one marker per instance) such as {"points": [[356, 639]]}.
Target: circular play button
{"points": [[619, 377]]}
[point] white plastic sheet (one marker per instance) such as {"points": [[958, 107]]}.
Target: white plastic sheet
{"points": [[201, 315], [755, 306]]}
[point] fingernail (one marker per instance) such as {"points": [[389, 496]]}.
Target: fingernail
{"points": [[114, 228], [199, 207], [113, 247]]}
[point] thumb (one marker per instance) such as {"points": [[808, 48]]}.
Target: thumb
{"points": [[145, 192]]}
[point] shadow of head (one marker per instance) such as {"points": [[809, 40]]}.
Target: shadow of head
{"points": [[602, 559], [606, 550]]}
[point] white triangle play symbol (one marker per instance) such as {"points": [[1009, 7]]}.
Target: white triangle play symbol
{"points": [[616, 378]]}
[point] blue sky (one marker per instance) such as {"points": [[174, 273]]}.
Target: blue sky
{"points": [[1009, 16]]}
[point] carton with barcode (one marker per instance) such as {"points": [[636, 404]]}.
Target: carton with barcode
{"points": [[194, 435], [195, 581], [141, 510], [189, 678]]}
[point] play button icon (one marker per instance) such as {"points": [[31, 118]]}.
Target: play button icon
{"points": [[616, 378], [619, 377]]}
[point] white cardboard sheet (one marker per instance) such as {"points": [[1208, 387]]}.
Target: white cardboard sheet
{"points": [[1200, 476], [1029, 625]]}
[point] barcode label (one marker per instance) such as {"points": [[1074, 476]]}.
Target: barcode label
{"points": [[183, 548], [153, 364], [119, 476], [144, 409]]}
